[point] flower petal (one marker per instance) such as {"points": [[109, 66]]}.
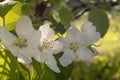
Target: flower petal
{"points": [[24, 27], [84, 54], [47, 32], [74, 35], [90, 32], [57, 46], [52, 63], [73, 32], [6, 36], [14, 49], [40, 56], [34, 40], [26, 54], [67, 58]]}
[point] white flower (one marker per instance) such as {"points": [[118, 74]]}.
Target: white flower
{"points": [[89, 30], [24, 43], [76, 44], [47, 47]]}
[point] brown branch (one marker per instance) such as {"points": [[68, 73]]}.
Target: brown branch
{"points": [[112, 4]]}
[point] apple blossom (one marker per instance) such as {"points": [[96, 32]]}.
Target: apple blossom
{"points": [[47, 47], [76, 43], [24, 43]]}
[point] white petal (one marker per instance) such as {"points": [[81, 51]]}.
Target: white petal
{"points": [[26, 54], [34, 39], [73, 25], [14, 49], [26, 59], [52, 63], [65, 42], [74, 35], [90, 32], [47, 32], [57, 46], [6, 36], [40, 56], [24, 27], [73, 32], [84, 54], [67, 58], [21, 60]]}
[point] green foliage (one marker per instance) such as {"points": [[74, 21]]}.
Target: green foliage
{"points": [[100, 20], [5, 9], [65, 71], [66, 16], [26, 9], [105, 6], [42, 72], [23, 72], [8, 67], [28, 1]]}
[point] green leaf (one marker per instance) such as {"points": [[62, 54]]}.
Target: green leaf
{"points": [[37, 72], [105, 6], [65, 71], [22, 1], [66, 16], [48, 74], [100, 20], [11, 26], [32, 1], [26, 9], [54, 1], [12, 17], [5, 9], [8, 67], [23, 72], [42, 72]]}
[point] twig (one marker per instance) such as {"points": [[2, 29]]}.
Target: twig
{"points": [[112, 4]]}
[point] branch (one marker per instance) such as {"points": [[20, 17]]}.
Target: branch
{"points": [[112, 4]]}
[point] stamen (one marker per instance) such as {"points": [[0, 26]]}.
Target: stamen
{"points": [[73, 46], [46, 45], [21, 42]]}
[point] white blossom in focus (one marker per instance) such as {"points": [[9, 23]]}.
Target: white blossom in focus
{"points": [[25, 42], [47, 47], [76, 43]]}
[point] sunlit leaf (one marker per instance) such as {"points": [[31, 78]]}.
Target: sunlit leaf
{"points": [[8, 67], [12, 17], [23, 72], [5, 9]]}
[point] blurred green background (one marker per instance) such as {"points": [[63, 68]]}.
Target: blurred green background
{"points": [[105, 66]]}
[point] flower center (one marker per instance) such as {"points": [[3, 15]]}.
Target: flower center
{"points": [[74, 46], [44, 46], [21, 42]]}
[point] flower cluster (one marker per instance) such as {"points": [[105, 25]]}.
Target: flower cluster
{"points": [[40, 44]]}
